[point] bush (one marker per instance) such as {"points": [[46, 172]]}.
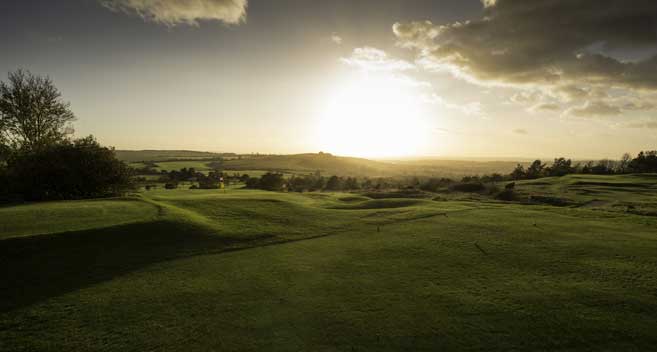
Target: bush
{"points": [[171, 186], [68, 170], [4, 183], [435, 184], [468, 187], [556, 201], [268, 182], [507, 195]]}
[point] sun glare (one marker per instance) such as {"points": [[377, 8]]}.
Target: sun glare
{"points": [[373, 116]]}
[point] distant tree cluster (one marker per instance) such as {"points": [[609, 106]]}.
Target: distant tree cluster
{"points": [[38, 159], [645, 162], [316, 182], [199, 180]]}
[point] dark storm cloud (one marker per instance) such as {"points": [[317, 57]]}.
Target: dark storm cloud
{"points": [[548, 43], [174, 12]]}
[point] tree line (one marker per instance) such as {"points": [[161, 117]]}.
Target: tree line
{"points": [[39, 160], [172, 179], [645, 162]]}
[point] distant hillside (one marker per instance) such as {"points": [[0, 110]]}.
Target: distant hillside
{"points": [[327, 164], [162, 155]]}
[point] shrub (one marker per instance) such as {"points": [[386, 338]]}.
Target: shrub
{"points": [[507, 195], [269, 182], [468, 187]]}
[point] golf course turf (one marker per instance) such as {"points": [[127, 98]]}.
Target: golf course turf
{"points": [[192, 270]]}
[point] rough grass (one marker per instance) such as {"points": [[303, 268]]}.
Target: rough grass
{"points": [[252, 271]]}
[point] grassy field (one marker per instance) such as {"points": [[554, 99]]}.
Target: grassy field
{"points": [[159, 155], [248, 270]]}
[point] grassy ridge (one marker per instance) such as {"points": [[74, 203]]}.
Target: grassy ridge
{"points": [[252, 270], [159, 155], [58, 217], [621, 193]]}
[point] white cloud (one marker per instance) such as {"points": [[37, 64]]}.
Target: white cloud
{"points": [[335, 38], [189, 12], [375, 60], [372, 59], [553, 107]]}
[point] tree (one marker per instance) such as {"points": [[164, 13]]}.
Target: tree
{"points": [[535, 170], [603, 167], [561, 167], [351, 183], [334, 183], [518, 173], [271, 182], [68, 170], [32, 113], [644, 162], [624, 163]]}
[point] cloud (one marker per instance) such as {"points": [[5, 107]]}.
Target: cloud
{"points": [[175, 12], [545, 107], [520, 131], [570, 93], [552, 42], [594, 109], [643, 125], [572, 51], [638, 105], [372, 59], [335, 38], [525, 97]]}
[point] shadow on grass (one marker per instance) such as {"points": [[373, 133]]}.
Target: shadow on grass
{"points": [[36, 268]]}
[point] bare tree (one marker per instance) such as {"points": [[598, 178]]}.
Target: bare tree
{"points": [[624, 163], [32, 113]]}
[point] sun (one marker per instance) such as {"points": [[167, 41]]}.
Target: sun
{"points": [[373, 115]]}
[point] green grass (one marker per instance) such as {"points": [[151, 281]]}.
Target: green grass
{"points": [[622, 193], [251, 271], [160, 155], [58, 217]]}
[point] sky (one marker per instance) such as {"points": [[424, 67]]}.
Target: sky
{"points": [[370, 78]]}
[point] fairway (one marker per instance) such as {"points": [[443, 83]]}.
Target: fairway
{"points": [[252, 270]]}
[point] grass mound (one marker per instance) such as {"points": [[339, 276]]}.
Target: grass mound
{"points": [[351, 199], [613, 184], [381, 204], [57, 217], [407, 193], [550, 200]]}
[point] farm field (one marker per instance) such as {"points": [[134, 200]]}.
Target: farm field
{"points": [[252, 270]]}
